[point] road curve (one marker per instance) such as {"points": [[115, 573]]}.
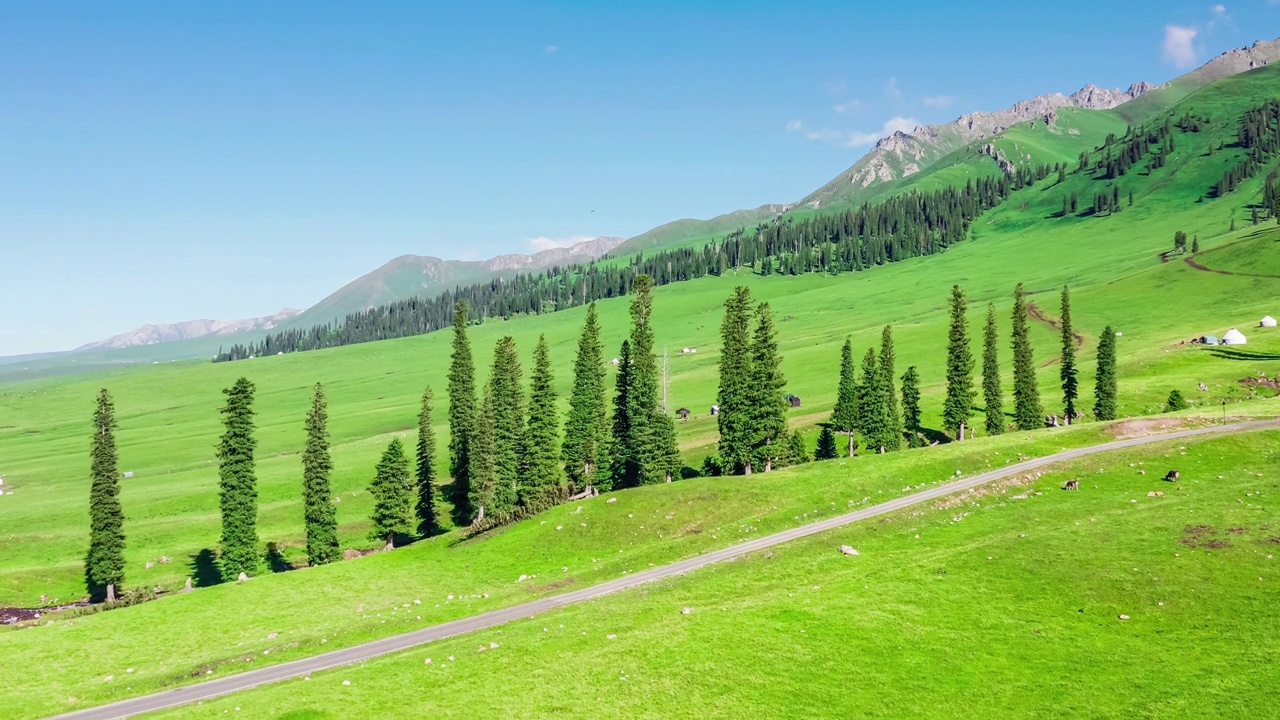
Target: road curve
{"points": [[395, 643]]}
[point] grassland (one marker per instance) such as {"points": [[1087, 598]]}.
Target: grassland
{"points": [[169, 425], [1022, 602]]}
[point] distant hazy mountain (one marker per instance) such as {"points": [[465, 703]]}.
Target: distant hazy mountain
{"points": [[152, 334], [417, 275]]}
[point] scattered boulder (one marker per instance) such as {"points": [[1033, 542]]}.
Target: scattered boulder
{"points": [[612, 500], [1124, 617], [272, 635], [847, 550], [187, 586], [244, 577], [686, 611], [1156, 493], [1172, 476]]}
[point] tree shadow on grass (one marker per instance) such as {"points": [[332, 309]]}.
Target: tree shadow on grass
{"points": [[1229, 353], [204, 569], [276, 560]]}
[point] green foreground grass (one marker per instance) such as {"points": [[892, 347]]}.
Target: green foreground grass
{"points": [[1008, 603]]}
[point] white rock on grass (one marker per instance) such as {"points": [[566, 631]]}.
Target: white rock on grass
{"points": [[611, 636], [686, 611], [1124, 617], [847, 550], [346, 682]]}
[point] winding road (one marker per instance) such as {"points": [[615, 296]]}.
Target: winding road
{"points": [[396, 643]]}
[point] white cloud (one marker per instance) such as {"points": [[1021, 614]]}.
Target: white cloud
{"points": [[552, 49], [847, 106], [891, 88], [891, 126], [853, 138], [840, 87], [545, 243], [1218, 15], [940, 101], [1178, 48]]}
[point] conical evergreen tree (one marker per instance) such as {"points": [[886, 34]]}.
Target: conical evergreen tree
{"points": [[393, 493], [844, 418], [541, 481], [827, 449], [911, 405], [508, 425], [797, 454], [653, 435], [1067, 369], [320, 514], [483, 467], [104, 563], [766, 401], [992, 393], [734, 418], [586, 433], [462, 415], [958, 406], [237, 483], [1105, 401], [871, 412], [425, 470], [891, 435], [620, 453], [1027, 413]]}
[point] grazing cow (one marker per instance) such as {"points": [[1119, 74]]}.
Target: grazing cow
{"points": [[1172, 476], [1072, 485]]}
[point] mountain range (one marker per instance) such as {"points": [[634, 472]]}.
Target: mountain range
{"points": [[895, 163]]}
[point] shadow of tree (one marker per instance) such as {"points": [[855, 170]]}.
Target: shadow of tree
{"points": [[276, 560], [1231, 353], [204, 569]]}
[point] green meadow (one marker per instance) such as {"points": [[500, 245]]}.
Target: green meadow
{"points": [[940, 621], [1020, 600]]}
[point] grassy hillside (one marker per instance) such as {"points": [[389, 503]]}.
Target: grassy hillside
{"points": [[169, 421], [691, 232], [1025, 601]]}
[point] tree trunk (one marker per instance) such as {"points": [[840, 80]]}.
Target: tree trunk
{"points": [[850, 444], [768, 464], [746, 469], [391, 542], [961, 437], [111, 592]]}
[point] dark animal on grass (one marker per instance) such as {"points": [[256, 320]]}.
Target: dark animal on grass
{"points": [[1172, 476], [1072, 485]]}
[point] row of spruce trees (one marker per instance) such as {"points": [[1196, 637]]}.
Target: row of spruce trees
{"points": [[508, 457]]}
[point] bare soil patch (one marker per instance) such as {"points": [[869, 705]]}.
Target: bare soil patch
{"points": [[1143, 427]]}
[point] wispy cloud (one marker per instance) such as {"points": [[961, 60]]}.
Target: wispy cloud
{"points": [[891, 126], [840, 87], [891, 88], [847, 106], [545, 243], [1178, 48], [939, 101], [853, 138], [551, 49]]}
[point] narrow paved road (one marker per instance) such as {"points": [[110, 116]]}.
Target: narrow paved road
{"points": [[357, 653]]}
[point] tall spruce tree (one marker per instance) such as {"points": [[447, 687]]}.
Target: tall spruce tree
{"points": [[393, 492], [766, 402], [620, 452], [844, 418], [1105, 400], [586, 432], [483, 468], [104, 563], [462, 415], [869, 403], [542, 480], [319, 512], [992, 393], [1027, 413], [237, 483], [1067, 370], [734, 417], [653, 434], [911, 405], [425, 470], [508, 426], [891, 434], [827, 449], [958, 406]]}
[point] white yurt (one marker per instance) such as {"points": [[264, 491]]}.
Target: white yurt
{"points": [[1234, 337], [1267, 321]]}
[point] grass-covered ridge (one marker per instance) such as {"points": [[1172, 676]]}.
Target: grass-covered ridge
{"points": [[1023, 601]]}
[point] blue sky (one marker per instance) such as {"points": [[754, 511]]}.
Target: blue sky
{"points": [[170, 161]]}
